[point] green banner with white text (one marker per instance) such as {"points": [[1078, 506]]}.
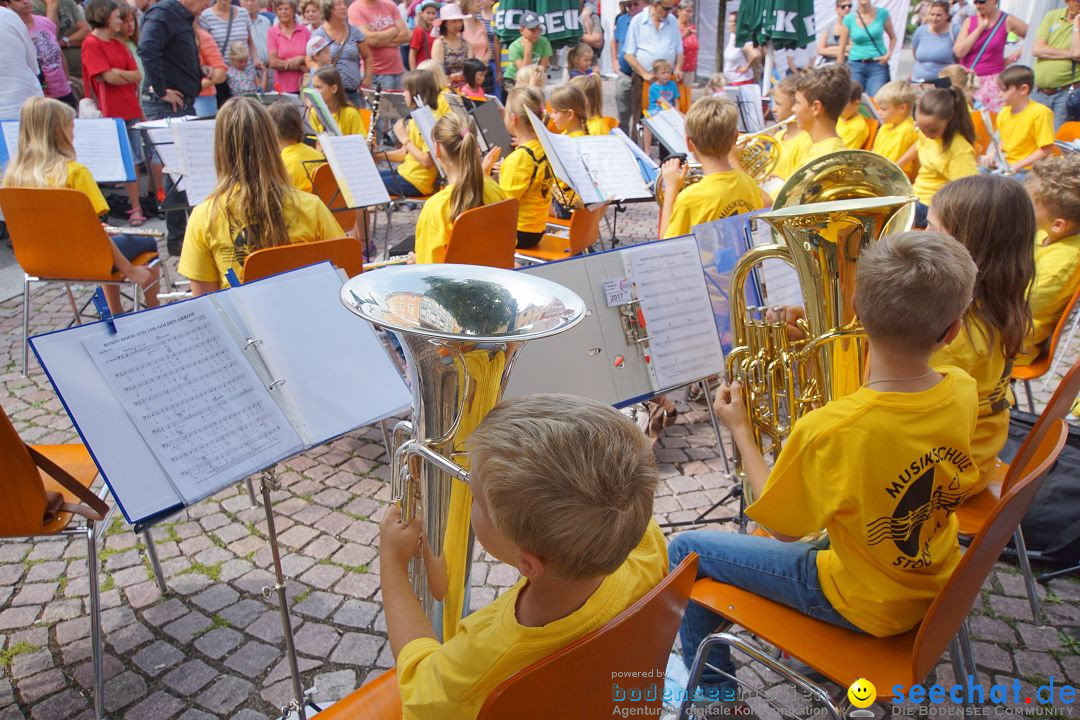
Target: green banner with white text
{"points": [[560, 20]]}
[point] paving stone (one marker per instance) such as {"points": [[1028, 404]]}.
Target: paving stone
{"points": [[18, 617], [252, 659], [268, 627], [123, 560], [297, 536], [318, 605], [1039, 638], [159, 706], [186, 628], [215, 597], [992, 656], [189, 583], [166, 612], [334, 685], [225, 694], [1036, 664], [34, 688], [358, 585], [157, 657], [123, 690], [115, 618], [141, 595], [357, 649], [196, 714], [35, 593], [110, 668], [129, 637], [58, 707], [32, 663], [241, 614], [316, 639], [219, 642], [190, 677], [986, 628], [281, 670], [356, 614], [322, 576]]}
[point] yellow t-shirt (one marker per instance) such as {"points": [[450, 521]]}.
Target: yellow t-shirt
{"points": [[348, 120], [528, 180], [716, 196], [854, 131], [301, 162], [79, 178], [599, 125], [939, 165], [212, 247], [791, 149], [895, 139], [450, 681], [434, 225], [422, 178], [1026, 131], [442, 105], [983, 360], [882, 472], [805, 151], [1057, 273]]}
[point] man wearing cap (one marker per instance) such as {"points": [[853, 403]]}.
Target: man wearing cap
{"points": [[651, 36], [385, 32], [532, 48]]}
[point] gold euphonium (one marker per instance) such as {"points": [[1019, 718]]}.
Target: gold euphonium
{"points": [[842, 203], [460, 327]]}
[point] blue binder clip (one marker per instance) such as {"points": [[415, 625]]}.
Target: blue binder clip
{"points": [[102, 308], [231, 277]]}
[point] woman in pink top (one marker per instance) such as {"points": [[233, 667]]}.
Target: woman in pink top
{"points": [[50, 58], [286, 45], [981, 48]]}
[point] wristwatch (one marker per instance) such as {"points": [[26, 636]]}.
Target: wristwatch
{"points": [[65, 40]]}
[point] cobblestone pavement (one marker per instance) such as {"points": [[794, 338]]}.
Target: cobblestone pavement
{"points": [[212, 646]]}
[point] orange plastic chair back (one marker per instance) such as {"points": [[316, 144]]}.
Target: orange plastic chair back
{"points": [[638, 639], [1068, 131], [56, 235], [23, 511], [1041, 364], [345, 253], [982, 136], [486, 235], [682, 105], [365, 117], [874, 125], [585, 228], [1060, 405], [954, 601], [325, 186]]}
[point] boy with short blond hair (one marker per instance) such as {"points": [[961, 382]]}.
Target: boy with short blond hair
{"points": [[896, 101], [1054, 187], [851, 125], [563, 490], [663, 91], [711, 129], [1026, 127], [880, 469], [820, 96]]}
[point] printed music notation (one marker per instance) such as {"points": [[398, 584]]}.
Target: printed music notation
{"points": [[684, 345], [354, 169], [195, 149], [194, 398]]}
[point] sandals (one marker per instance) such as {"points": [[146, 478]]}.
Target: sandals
{"points": [[136, 218]]}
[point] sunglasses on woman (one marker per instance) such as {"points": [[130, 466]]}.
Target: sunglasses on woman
{"points": [[844, 7]]}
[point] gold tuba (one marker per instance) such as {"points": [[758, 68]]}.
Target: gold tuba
{"points": [[838, 204], [460, 327]]}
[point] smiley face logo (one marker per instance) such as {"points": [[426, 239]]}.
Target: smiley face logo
{"points": [[862, 693]]}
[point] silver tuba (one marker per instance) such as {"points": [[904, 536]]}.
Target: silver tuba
{"points": [[460, 327]]}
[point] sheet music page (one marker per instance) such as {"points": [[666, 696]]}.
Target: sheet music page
{"points": [[351, 162], [781, 282], [670, 285], [196, 401], [546, 138], [649, 167], [670, 128], [425, 123], [98, 146], [194, 142], [10, 129], [612, 167], [748, 100]]}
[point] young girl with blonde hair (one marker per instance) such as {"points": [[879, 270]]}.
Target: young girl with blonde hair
{"points": [[592, 89], [45, 158], [254, 205], [525, 173], [467, 187], [416, 173], [568, 114], [442, 82], [327, 82]]}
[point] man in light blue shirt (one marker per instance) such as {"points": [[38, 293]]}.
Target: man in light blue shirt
{"points": [[652, 36]]}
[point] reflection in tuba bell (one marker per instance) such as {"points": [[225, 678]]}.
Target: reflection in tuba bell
{"points": [[783, 379], [460, 327]]}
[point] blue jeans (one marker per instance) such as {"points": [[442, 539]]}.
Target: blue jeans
{"points": [[871, 75], [397, 185], [1055, 102], [783, 572], [920, 215]]}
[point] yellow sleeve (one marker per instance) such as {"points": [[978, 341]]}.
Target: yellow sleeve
{"points": [[1043, 127], [196, 258], [425, 681], [433, 230], [326, 226], [79, 178], [351, 122], [516, 173], [679, 223], [1055, 281], [961, 164]]}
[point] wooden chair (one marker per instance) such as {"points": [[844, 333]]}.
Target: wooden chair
{"points": [[57, 238], [1068, 132], [584, 231], [843, 655], [974, 512], [66, 472], [486, 235], [345, 253], [638, 638], [1041, 365]]}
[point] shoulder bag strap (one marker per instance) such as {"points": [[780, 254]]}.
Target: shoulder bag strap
{"points": [[228, 33], [986, 43], [341, 46], [867, 30], [94, 508]]}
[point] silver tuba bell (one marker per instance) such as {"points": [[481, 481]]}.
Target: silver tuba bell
{"points": [[460, 327]]}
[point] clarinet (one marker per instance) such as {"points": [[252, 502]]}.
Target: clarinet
{"points": [[374, 116]]}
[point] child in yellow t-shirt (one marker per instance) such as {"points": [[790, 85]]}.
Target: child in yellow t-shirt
{"points": [[253, 206], [1026, 127], [569, 113], [591, 87], [897, 134], [712, 124], [820, 97], [327, 82], [852, 126], [794, 141], [416, 172], [993, 218], [601, 484], [301, 160], [880, 469], [525, 173], [467, 187], [1054, 187], [944, 150], [45, 152]]}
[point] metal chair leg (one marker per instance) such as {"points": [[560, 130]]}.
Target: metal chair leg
{"points": [[955, 658], [965, 648], [1031, 400], [26, 325], [1029, 577], [251, 493], [95, 620], [151, 552]]}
